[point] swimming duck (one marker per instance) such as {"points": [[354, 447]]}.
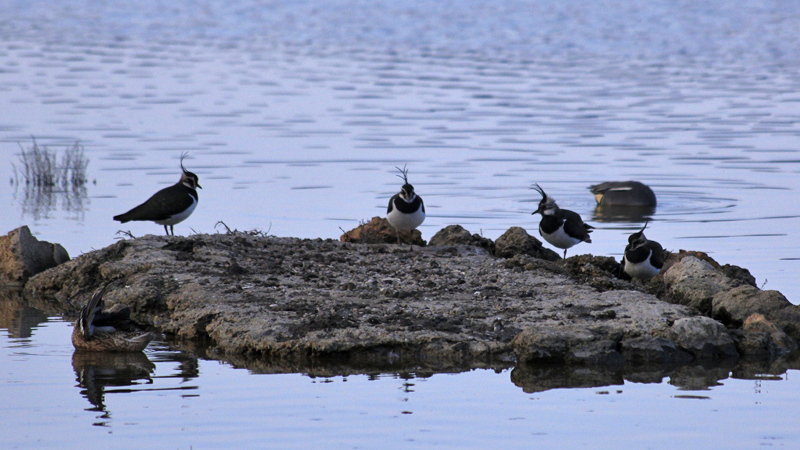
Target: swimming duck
{"points": [[623, 193]]}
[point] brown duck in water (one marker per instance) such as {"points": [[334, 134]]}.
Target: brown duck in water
{"points": [[111, 330]]}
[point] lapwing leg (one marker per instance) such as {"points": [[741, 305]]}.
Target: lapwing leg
{"points": [[166, 230], [172, 230], [565, 253], [398, 236]]}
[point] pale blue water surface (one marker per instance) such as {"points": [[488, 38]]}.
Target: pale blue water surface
{"points": [[294, 115]]}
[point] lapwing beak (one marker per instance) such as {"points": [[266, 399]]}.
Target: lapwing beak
{"points": [[198, 186]]}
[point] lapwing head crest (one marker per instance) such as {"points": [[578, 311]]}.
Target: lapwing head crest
{"points": [[407, 191], [547, 205], [638, 239], [189, 179]]}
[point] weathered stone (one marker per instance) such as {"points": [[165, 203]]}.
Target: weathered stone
{"points": [[517, 241], [694, 283], [735, 305], [298, 301], [644, 350], [23, 256], [378, 231], [738, 273], [779, 343], [703, 337], [457, 235], [288, 300]]}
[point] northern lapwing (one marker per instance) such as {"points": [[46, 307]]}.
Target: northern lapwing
{"points": [[168, 206], [623, 193], [643, 258], [406, 211], [561, 227], [109, 330]]}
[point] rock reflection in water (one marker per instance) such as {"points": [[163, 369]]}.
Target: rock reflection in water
{"points": [[16, 315], [697, 376]]}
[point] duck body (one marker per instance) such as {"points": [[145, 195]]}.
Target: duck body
{"points": [[623, 193], [111, 330]]}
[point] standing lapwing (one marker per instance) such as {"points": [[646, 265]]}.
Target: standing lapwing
{"points": [[168, 206], [406, 211], [560, 227], [643, 258]]}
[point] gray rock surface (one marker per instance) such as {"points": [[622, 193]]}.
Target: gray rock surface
{"points": [[703, 337], [694, 283], [369, 304], [457, 235], [23, 256], [293, 302]]}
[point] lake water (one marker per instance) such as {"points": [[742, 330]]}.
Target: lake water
{"points": [[294, 115]]}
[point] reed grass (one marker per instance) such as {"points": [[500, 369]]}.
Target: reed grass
{"points": [[39, 167]]}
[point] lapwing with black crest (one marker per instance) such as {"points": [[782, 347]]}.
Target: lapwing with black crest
{"points": [[560, 227], [406, 210], [170, 205], [643, 258]]}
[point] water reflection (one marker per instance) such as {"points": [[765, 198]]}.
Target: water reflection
{"points": [[101, 373], [623, 214], [39, 202], [16, 315], [97, 371], [696, 376]]}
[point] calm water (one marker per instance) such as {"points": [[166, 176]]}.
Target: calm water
{"points": [[294, 115], [171, 399]]}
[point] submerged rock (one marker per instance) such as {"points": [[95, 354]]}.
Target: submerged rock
{"points": [[23, 256]]}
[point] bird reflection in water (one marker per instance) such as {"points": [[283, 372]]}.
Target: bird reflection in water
{"points": [[101, 373], [96, 372]]}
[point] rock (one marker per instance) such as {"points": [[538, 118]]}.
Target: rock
{"points": [[23, 256], [457, 235], [378, 231], [703, 337], [565, 345], [644, 350], [738, 273], [694, 282], [735, 305], [299, 300], [778, 342], [517, 241]]}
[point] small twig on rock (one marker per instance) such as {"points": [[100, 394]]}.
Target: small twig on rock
{"points": [[124, 234], [228, 230]]}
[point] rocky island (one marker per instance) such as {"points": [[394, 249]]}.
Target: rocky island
{"points": [[461, 302]]}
